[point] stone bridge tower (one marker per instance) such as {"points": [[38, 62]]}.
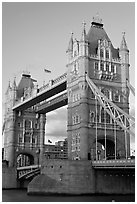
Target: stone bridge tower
{"points": [[90, 128], [24, 130]]}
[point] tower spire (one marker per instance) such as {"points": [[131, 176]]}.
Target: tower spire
{"points": [[97, 21], [70, 46], [14, 83], [9, 87], [123, 45], [84, 36]]}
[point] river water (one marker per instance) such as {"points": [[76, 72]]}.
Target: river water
{"points": [[21, 196]]}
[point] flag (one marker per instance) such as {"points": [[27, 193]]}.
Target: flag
{"points": [[47, 71], [49, 141]]}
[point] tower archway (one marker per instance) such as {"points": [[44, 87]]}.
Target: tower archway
{"points": [[109, 150], [24, 159]]}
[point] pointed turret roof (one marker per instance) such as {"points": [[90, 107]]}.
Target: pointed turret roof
{"points": [[84, 36], [70, 46], [14, 86], [25, 82], [123, 45], [96, 33], [9, 87]]}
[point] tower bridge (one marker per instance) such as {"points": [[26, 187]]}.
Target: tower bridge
{"points": [[96, 91]]}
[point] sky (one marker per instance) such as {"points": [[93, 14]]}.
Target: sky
{"points": [[36, 35]]}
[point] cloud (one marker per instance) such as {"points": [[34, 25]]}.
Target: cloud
{"points": [[56, 126]]}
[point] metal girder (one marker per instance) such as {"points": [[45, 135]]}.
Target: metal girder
{"points": [[117, 114], [131, 88]]}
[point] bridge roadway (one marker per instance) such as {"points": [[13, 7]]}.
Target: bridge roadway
{"points": [[118, 163], [53, 87]]}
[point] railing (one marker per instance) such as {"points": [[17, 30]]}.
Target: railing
{"points": [[114, 163], [28, 171], [53, 82], [109, 126], [60, 78]]}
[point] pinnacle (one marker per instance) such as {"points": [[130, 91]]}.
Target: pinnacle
{"points": [[84, 36], [70, 46], [123, 45]]}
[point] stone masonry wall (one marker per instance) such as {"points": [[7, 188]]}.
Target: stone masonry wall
{"points": [[68, 177], [8, 177]]}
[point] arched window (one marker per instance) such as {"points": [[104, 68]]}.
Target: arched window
{"points": [[102, 66], [107, 54], [20, 138], [105, 92], [96, 66], [101, 53], [77, 119], [107, 118], [107, 67], [112, 68], [27, 138], [27, 124], [75, 53], [91, 117], [92, 94], [116, 97], [102, 115]]}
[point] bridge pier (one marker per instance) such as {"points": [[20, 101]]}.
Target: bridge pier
{"points": [[64, 176], [81, 177], [9, 177]]}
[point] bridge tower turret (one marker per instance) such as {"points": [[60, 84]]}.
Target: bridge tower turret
{"points": [[9, 120], [124, 57], [24, 129], [77, 99], [90, 129]]}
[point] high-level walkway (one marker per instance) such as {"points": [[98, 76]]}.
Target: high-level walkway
{"points": [[53, 87]]}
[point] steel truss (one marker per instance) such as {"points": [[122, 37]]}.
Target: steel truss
{"points": [[124, 120], [131, 88]]}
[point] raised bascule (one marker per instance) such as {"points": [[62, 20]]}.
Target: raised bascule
{"points": [[95, 89]]}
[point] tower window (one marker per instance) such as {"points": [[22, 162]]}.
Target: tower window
{"points": [[96, 66], [19, 124], [107, 67], [116, 97], [77, 119], [102, 66], [101, 53], [91, 117], [27, 124], [75, 53], [112, 68], [27, 138], [107, 54], [20, 139], [92, 94], [107, 118], [102, 115], [105, 92]]}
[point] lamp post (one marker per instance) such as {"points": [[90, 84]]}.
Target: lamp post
{"points": [[38, 152]]}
